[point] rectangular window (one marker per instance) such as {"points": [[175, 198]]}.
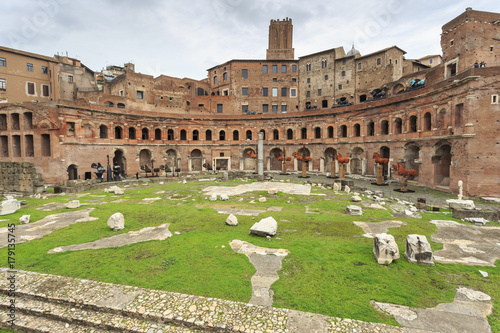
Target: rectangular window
{"points": [[293, 92], [3, 85], [29, 147], [140, 94], [244, 91], [319, 92], [340, 87], [344, 62], [283, 92], [45, 144], [70, 78], [244, 73], [244, 108], [264, 69], [29, 67], [219, 108], [4, 145], [275, 68], [275, 108], [275, 92], [224, 76], [265, 92], [215, 79], [283, 108], [45, 90], [45, 70], [294, 68], [121, 92], [31, 88], [283, 68], [308, 94], [3, 62], [265, 108]]}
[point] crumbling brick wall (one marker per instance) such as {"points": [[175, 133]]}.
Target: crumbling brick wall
{"points": [[20, 177]]}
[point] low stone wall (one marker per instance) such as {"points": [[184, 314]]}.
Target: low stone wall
{"points": [[62, 304], [20, 177]]}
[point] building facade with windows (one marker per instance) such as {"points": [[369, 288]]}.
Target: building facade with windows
{"points": [[441, 121]]}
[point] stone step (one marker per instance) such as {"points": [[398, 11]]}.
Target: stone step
{"points": [[35, 314]]}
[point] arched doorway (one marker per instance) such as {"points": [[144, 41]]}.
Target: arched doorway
{"points": [[145, 158], [357, 161], [171, 159], [385, 152], [72, 172], [248, 161], [329, 157], [120, 160], [412, 156], [196, 160], [442, 163], [275, 163]]}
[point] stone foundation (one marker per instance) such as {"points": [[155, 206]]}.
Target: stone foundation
{"points": [[20, 177]]}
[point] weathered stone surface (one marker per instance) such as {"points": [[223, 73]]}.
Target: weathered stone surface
{"points": [[347, 189], [25, 219], [356, 198], [337, 187], [224, 197], [385, 248], [73, 204], [119, 191], [265, 227], [461, 204], [477, 220], [373, 228], [418, 250], [9, 206], [116, 222], [354, 210], [262, 199], [232, 220], [213, 197]]}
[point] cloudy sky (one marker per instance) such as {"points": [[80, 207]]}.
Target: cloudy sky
{"points": [[185, 38]]}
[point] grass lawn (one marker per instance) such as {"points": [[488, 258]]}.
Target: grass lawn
{"points": [[330, 268]]}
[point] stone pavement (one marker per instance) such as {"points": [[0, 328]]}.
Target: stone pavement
{"points": [[373, 228], [289, 188]]}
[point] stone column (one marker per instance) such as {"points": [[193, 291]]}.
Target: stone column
{"points": [[189, 165], [268, 163], [260, 156], [322, 164], [364, 163], [242, 161]]}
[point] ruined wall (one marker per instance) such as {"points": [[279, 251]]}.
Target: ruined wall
{"points": [[20, 177]]}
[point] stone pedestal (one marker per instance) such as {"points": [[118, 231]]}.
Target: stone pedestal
{"points": [[380, 174], [385, 248], [418, 250], [342, 171]]}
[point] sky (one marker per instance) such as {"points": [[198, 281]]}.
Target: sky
{"points": [[185, 38]]}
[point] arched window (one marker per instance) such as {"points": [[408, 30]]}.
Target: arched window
{"points": [[208, 135], [317, 133], [183, 135], [196, 135], [343, 131], [118, 132], [276, 134], [330, 132], [398, 126], [303, 133], [120, 106], [157, 134], [370, 129], [264, 134], [413, 124], [357, 130], [145, 134], [249, 135], [384, 127], [427, 122], [109, 104], [289, 134], [236, 135], [131, 133], [222, 135], [103, 132], [170, 135]]}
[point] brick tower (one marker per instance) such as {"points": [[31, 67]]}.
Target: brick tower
{"points": [[280, 40]]}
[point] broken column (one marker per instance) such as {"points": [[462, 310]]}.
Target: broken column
{"points": [[418, 250], [385, 248]]}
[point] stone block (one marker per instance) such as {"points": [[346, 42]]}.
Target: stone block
{"points": [[265, 227], [232, 220], [25, 219], [116, 222], [461, 204], [418, 250], [224, 197], [354, 210], [73, 204], [385, 248], [356, 198], [9, 206]]}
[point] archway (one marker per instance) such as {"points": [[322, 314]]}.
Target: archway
{"points": [[72, 172], [196, 160], [275, 163], [329, 157], [442, 164], [248, 162], [412, 156], [119, 159], [385, 152], [357, 161], [171, 159], [145, 158]]}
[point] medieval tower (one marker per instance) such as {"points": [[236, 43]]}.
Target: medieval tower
{"points": [[280, 40]]}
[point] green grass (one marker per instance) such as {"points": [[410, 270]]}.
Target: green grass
{"points": [[330, 268]]}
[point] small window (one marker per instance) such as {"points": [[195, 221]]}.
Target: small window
{"points": [[264, 69], [303, 133], [340, 87], [244, 73], [45, 90], [275, 68], [45, 70], [293, 92], [265, 92], [224, 76], [344, 62], [249, 135], [308, 80], [215, 79], [236, 135], [323, 63], [283, 108], [431, 61], [170, 135], [452, 42], [222, 135], [183, 135], [359, 66], [265, 108], [308, 66], [31, 88], [326, 77], [275, 92], [70, 78], [131, 133], [494, 99], [343, 73], [3, 62], [289, 134], [121, 93], [140, 94], [3, 85], [283, 92], [319, 92], [219, 108], [294, 68], [120, 106], [275, 108], [275, 79], [308, 94], [29, 67], [244, 108], [244, 91], [196, 135], [283, 68], [379, 61]]}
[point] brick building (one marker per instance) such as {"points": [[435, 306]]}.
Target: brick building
{"points": [[442, 120]]}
